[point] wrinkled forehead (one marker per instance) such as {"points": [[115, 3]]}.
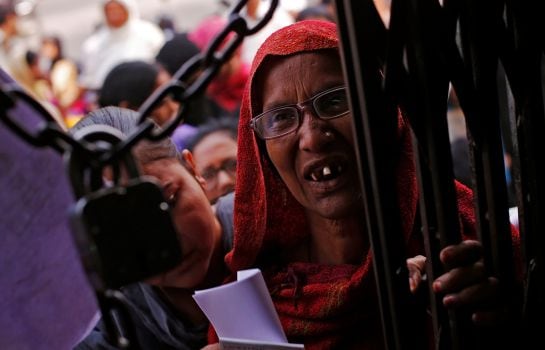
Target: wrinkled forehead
{"points": [[263, 74]]}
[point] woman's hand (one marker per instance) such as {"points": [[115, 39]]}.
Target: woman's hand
{"points": [[467, 284], [215, 346]]}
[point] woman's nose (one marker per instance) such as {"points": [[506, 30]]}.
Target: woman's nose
{"points": [[173, 106], [313, 132], [225, 181]]}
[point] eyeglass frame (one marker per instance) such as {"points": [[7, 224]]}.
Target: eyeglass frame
{"points": [[300, 108], [231, 171]]}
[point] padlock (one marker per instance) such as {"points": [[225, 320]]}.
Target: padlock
{"points": [[124, 233]]}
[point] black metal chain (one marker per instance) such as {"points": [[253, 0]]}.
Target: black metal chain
{"points": [[191, 79]]}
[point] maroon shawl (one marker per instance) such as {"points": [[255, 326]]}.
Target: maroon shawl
{"points": [[322, 306]]}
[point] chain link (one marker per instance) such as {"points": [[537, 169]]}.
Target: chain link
{"points": [[199, 71]]}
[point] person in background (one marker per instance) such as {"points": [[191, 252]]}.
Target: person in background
{"points": [[13, 47], [130, 83], [214, 149], [172, 56], [298, 212], [62, 74], [293, 7], [255, 10], [167, 25], [315, 12], [51, 52], [122, 37], [162, 310], [175, 52], [227, 87], [328, 4], [21, 63], [383, 8], [38, 84]]}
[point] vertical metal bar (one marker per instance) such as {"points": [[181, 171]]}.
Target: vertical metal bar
{"points": [[425, 33], [441, 331], [404, 90], [375, 125], [525, 25], [479, 24]]}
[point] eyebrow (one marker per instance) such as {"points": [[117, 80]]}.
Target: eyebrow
{"points": [[329, 85]]}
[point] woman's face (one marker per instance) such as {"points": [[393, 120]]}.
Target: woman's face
{"points": [[168, 107], [215, 160], [116, 14], [49, 49], [193, 218], [316, 161]]}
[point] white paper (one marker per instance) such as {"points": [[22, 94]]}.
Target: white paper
{"points": [[243, 314], [242, 344]]}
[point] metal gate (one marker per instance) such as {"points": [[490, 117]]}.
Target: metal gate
{"points": [[491, 53]]}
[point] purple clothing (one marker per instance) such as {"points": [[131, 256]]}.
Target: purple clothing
{"points": [[182, 134], [45, 299]]}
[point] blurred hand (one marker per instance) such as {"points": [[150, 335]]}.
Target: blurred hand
{"points": [[416, 267], [212, 347]]}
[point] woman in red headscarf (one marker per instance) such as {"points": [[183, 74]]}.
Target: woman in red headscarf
{"points": [[298, 201]]}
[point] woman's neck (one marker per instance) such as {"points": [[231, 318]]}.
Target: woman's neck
{"points": [[336, 241]]}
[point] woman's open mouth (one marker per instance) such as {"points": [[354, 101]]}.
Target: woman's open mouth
{"points": [[325, 169], [326, 172]]}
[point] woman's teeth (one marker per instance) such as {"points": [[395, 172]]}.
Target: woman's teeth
{"points": [[326, 173]]}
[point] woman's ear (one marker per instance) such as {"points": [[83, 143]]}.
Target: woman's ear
{"points": [[189, 163]]}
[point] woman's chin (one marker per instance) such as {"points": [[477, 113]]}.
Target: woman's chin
{"points": [[340, 205]]}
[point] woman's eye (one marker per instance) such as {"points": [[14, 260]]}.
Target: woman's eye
{"points": [[336, 102], [279, 119]]}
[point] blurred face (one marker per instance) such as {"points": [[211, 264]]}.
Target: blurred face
{"points": [[116, 14], [215, 160], [193, 218], [232, 66], [49, 49], [168, 108], [317, 160], [10, 25]]}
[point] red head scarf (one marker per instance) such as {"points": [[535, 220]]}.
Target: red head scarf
{"points": [[322, 306]]}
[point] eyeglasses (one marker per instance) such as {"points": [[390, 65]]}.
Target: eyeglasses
{"points": [[210, 174], [328, 104]]}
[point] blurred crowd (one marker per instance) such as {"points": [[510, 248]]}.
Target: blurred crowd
{"points": [[125, 59]]}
